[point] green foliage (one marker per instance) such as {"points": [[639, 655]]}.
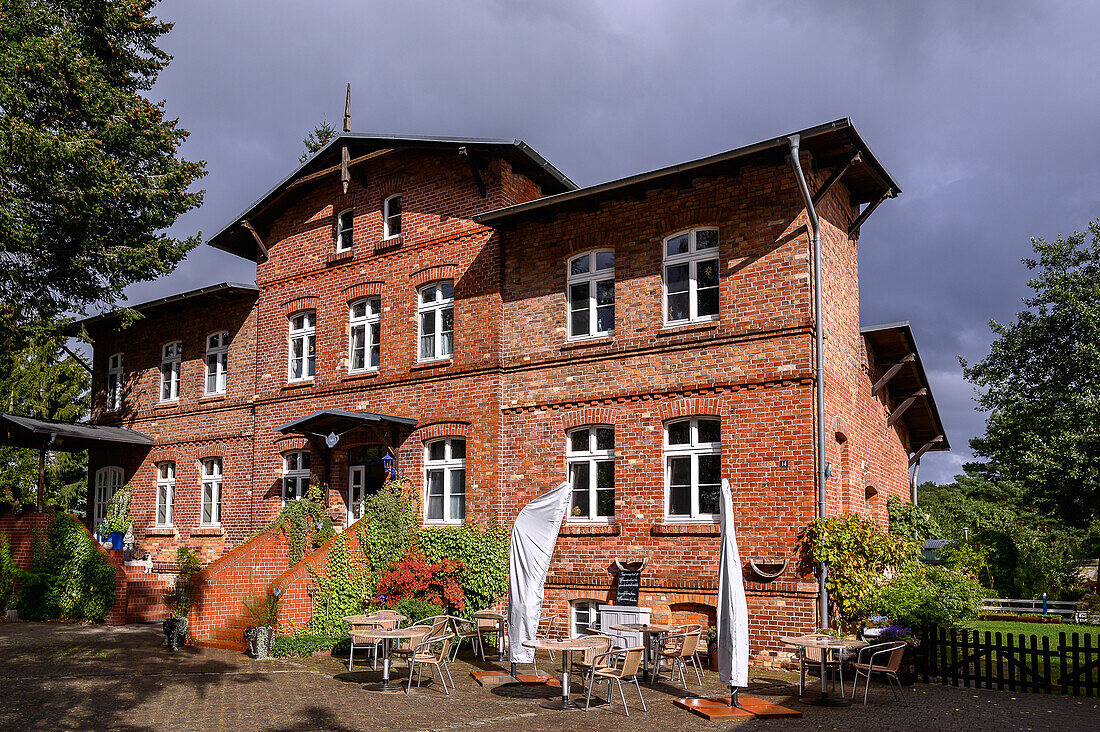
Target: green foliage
{"points": [[117, 519], [1040, 383], [482, 557], [7, 574], [71, 580], [307, 642], [181, 595], [90, 177], [858, 554], [188, 562], [338, 591], [317, 139], [389, 524], [305, 523], [416, 610], [910, 520], [262, 606], [921, 594]]}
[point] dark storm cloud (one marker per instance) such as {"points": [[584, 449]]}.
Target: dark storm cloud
{"points": [[986, 112]]}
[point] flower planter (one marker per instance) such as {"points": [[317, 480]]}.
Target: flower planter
{"points": [[259, 639], [175, 630], [116, 540]]}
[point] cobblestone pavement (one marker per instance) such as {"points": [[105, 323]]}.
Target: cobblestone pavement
{"points": [[55, 676]]}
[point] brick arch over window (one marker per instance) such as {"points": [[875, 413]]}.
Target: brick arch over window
{"points": [[587, 415], [388, 186], [363, 289], [290, 442], [592, 240], [442, 429], [683, 218], [434, 273], [301, 302], [688, 407], [699, 613]]}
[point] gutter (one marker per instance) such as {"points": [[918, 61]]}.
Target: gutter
{"points": [[819, 366]]}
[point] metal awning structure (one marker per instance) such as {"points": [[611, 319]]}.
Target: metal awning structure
{"points": [[336, 422]]}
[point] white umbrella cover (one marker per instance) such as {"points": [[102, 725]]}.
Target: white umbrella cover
{"points": [[733, 613], [533, 538]]}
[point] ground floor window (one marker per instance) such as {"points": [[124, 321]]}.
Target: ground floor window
{"points": [[693, 468], [211, 504], [295, 475], [590, 453], [107, 481], [166, 492], [584, 614], [445, 481]]}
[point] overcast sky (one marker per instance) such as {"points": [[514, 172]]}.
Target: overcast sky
{"points": [[985, 112]]}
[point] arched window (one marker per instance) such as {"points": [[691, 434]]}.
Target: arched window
{"points": [[691, 275], [693, 468], [436, 308], [344, 230], [584, 614], [217, 362], [364, 334], [170, 357], [114, 382], [590, 454], [107, 480], [295, 475], [391, 216], [210, 505], [302, 353], [445, 481], [590, 287], [166, 492]]}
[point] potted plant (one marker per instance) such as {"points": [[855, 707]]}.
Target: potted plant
{"points": [[180, 598], [263, 608], [873, 627], [712, 647], [117, 521], [907, 672]]}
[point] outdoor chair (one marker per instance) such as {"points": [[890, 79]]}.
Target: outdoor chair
{"points": [[466, 629], [490, 626], [882, 658], [602, 670], [424, 655], [362, 624], [431, 631], [810, 659], [679, 649], [388, 618], [587, 660]]}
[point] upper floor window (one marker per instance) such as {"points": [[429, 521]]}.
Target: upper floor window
{"points": [[114, 383], [217, 362], [445, 481], [590, 454], [590, 281], [691, 275], [436, 309], [170, 356], [210, 509], [344, 230], [107, 481], [166, 492], [295, 475], [693, 468], [365, 320], [391, 216], [303, 346]]}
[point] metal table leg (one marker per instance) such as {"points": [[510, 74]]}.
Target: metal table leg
{"points": [[385, 685]]}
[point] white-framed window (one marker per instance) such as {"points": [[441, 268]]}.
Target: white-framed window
{"points": [[302, 361], [445, 481], [691, 275], [217, 362], [590, 290], [436, 310], [114, 382], [584, 614], [211, 496], [166, 492], [364, 336], [693, 468], [295, 475], [344, 230], [170, 357], [590, 455], [107, 481], [391, 216]]}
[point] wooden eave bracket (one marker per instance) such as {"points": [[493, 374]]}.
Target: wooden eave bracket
{"points": [[477, 164], [896, 414], [345, 175], [925, 448], [836, 176], [870, 209], [247, 226], [342, 167], [909, 358]]}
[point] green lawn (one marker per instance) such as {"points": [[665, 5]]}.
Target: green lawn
{"points": [[1038, 629]]}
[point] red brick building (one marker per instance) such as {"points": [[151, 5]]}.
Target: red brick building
{"points": [[461, 306]]}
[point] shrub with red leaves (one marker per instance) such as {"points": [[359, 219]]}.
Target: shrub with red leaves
{"points": [[414, 577]]}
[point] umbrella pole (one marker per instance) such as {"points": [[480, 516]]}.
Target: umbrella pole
{"points": [[734, 702], [513, 669]]}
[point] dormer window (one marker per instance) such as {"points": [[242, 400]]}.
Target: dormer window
{"points": [[344, 231], [391, 216]]}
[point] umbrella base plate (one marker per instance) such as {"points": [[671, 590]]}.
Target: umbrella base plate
{"points": [[751, 706]]}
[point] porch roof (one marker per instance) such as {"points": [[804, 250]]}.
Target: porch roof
{"points": [[48, 434], [326, 421]]}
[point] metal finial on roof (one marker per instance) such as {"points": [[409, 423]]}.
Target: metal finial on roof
{"points": [[347, 110]]}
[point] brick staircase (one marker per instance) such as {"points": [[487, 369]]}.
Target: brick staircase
{"points": [[143, 596]]}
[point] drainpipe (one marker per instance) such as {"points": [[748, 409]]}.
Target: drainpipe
{"points": [[819, 366]]}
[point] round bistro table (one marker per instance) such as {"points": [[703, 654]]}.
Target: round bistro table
{"points": [[649, 632], [499, 619], [566, 647], [826, 643], [387, 636]]}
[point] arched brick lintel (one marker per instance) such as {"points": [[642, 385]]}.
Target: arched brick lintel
{"points": [[363, 289], [688, 407], [433, 273], [441, 429], [587, 415], [302, 302], [291, 442]]}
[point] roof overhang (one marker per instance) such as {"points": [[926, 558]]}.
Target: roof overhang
{"points": [[46, 434], [832, 146], [221, 290], [906, 387], [334, 421], [240, 236]]}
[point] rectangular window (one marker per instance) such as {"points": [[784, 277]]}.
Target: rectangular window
{"points": [[211, 492], [170, 356], [691, 276], [391, 214], [590, 281], [590, 454], [436, 311], [107, 481], [166, 492], [217, 362], [303, 346], [344, 227], [693, 468], [114, 383], [586, 614], [445, 481], [365, 319], [295, 475]]}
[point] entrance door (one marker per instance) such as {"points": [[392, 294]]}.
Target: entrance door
{"points": [[365, 476], [356, 492]]}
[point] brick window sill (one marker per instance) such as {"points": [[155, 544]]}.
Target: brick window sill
{"points": [[339, 257], [291, 385], [431, 364], [391, 243], [174, 404], [593, 529], [681, 328], [361, 375], [603, 340], [673, 528], [211, 398], [207, 531], [161, 531]]}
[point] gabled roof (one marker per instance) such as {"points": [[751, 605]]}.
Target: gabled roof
{"points": [[232, 238], [57, 436], [831, 145], [223, 289]]}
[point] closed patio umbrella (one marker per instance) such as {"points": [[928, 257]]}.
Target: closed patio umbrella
{"points": [[533, 538], [733, 613]]}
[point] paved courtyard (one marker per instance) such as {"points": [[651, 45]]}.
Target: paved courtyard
{"points": [[56, 676]]}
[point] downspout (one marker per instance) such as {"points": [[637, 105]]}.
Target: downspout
{"points": [[819, 365]]}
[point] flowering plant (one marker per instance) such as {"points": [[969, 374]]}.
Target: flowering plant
{"points": [[898, 632], [414, 577], [876, 621]]}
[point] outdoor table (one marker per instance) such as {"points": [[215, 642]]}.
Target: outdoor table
{"points": [[565, 647], [387, 636], [649, 633], [490, 615], [826, 643]]}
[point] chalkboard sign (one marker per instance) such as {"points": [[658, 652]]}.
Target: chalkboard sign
{"points": [[628, 586]]}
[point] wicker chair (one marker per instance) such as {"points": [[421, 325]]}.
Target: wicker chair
{"points": [[679, 649], [466, 629], [628, 671], [882, 658], [424, 655], [587, 660], [810, 658], [431, 631], [361, 624]]}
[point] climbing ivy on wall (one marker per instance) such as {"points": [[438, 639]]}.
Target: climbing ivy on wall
{"points": [[69, 577], [482, 556], [339, 591]]}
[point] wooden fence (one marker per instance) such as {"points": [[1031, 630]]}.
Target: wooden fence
{"points": [[1010, 661], [1053, 607]]}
